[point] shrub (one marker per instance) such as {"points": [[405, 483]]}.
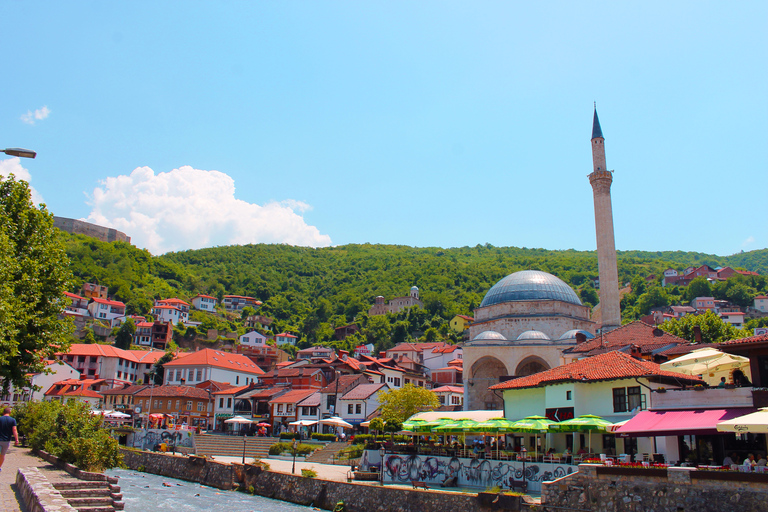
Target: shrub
{"points": [[70, 432], [323, 437], [301, 449], [290, 435], [309, 473]]}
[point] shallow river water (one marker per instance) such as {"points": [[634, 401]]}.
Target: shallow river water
{"points": [[144, 492]]}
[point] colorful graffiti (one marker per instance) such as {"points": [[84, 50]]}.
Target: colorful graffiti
{"points": [[478, 473], [147, 439]]}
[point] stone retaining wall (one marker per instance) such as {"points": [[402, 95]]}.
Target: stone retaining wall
{"points": [[677, 491], [37, 493], [74, 470], [305, 491]]}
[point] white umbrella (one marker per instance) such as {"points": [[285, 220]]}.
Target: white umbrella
{"points": [[705, 360], [117, 415], [336, 422], [756, 422], [237, 419], [303, 423]]}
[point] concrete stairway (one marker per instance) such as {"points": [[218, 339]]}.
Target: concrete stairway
{"points": [[91, 496], [328, 454], [232, 446]]}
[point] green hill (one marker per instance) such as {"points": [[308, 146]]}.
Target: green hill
{"points": [[310, 291]]}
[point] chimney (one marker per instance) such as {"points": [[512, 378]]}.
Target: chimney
{"points": [[382, 354], [82, 376], [697, 333], [634, 351]]}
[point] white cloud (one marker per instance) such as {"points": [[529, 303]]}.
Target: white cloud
{"points": [[749, 241], [13, 166], [189, 208], [38, 115]]}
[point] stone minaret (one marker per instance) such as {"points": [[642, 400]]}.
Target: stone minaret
{"points": [[601, 179]]}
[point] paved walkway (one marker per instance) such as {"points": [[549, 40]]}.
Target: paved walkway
{"points": [[21, 458]]}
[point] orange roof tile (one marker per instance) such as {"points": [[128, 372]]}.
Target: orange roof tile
{"points": [[610, 366], [634, 333], [294, 396], [210, 357]]}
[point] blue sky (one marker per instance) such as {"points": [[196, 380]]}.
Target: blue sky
{"points": [[194, 124]]}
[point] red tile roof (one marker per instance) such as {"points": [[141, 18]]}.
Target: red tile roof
{"points": [[210, 357], [760, 338], [206, 296], [294, 396], [285, 335], [313, 400], [126, 390], [231, 391], [346, 382], [449, 389], [174, 300], [635, 333], [75, 387], [362, 391], [108, 302], [762, 297], [85, 349], [174, 391], [73, 296], [465, 317], [610, 366]]}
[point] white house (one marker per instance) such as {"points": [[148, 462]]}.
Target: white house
{"points": [[76, 305], [171, 310], [761, 303], [284, 337], [39, 383], [105, 309], [253, 339], [357, 404], [450, 395], [613, 385], [204, 303], [734, 318], [116, 366], [209, 364], [703, 303]]}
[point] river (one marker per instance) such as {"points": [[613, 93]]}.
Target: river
{"points": [[145, 492]]}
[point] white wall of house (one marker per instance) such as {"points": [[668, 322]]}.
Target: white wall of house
{"points": [[195, 374], [360, 409], [253, 339]]}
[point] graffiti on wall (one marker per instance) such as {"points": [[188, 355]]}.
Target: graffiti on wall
{"points": [[147, 439], [471, 472]]}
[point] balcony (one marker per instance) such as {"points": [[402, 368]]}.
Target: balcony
{"points": [[708, 398]]}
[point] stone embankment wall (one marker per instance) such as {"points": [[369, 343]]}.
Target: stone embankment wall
{"points": [[305, 491], [593, 488]]}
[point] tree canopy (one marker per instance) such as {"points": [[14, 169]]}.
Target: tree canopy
{"points": [[400, 404], [34, 274], [713, 328]]}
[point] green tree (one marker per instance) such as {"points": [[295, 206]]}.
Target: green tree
{"points": [[158, 371], [401, 404], [713, 329], [89, 338], [36, 273], [654, 297], [699, 287], [125, 334]]}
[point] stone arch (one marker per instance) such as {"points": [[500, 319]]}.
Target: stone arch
{"points": [[486, 372], [531, 365]]}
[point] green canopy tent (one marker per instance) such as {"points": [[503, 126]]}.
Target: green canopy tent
{"points": [[461, 426], [585, 423], [495, 426]]}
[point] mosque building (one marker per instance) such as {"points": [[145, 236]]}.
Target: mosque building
{"points": [[528, 318]]}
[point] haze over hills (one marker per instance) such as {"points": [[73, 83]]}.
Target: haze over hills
{"points": [[309, 291]]}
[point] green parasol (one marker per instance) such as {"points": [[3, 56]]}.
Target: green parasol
{"points": [[497, 426], [532, 425], [585, 423]]}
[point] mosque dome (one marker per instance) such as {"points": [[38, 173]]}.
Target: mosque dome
{"points": [[490, 335], [533, 335], [569, 335], [530, 285]]}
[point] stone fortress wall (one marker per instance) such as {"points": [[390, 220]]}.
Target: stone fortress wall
{"points": [[80, 227]]}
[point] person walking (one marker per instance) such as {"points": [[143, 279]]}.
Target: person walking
{"points": [[8, 430]]}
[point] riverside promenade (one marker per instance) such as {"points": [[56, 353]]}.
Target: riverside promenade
{"points": [[16, 458]]}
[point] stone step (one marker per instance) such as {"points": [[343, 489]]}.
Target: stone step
{"points": [[80, 484], [96, 509], [90, 502], [85, 493]]}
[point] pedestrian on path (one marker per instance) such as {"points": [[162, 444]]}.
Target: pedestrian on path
{"points": [[8, 430]]}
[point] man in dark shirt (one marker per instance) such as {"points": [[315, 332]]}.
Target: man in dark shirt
{"points": [[8, 431]]}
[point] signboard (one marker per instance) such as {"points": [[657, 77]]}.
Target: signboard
{"points": [[560, 413], [761, 330]]}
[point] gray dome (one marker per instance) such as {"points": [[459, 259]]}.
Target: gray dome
{"points": [[490, 335], [530, 285], [533, 335], [572, 334]]}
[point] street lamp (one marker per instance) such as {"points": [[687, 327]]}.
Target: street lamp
{"points": [[21, 152]]}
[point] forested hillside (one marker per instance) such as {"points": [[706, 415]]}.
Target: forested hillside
{"points": [[311, 291]]}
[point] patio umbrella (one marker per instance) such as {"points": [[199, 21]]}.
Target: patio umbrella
{"points": [[117, 415], [756, 422], [300, 423], [532, 425], [584, 423], [705, 360], [495, 425], [412, 425], [335, 421], [238, 420], [461, 426]]}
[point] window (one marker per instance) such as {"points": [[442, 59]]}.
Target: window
{"points": [[170, 404], [229, 403], [221, 402], [199, 375], [628, 399], [189, 405], [237, 380], [397, 381], [155, 403], [568, 395], [279, 408], [350, 409], [178, 404], [441, 399], [289, 409], [358, 409], [199, 406]]}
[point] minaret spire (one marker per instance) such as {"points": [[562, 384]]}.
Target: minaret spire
{"points": [[601, 179]]}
